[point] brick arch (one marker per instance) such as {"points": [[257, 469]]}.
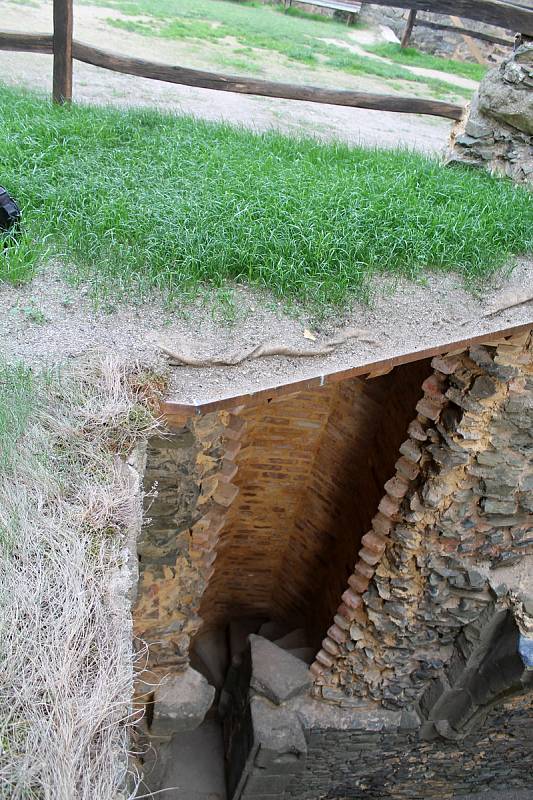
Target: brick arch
{"points": [[447, 520]]}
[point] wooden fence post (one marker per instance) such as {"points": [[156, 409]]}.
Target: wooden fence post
{"points": [[63, 24], [408, 28]]}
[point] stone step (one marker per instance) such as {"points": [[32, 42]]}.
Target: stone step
{"points": [[191, 765]]}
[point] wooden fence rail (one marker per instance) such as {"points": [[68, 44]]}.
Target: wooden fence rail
{"points": [[509, 15], [41, 43], [486, 37]]}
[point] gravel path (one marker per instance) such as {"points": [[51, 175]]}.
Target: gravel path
{"points": [[94, 85]]}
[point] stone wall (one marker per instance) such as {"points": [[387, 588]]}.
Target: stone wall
{"points": [[442, 43], [453, 536], [394, 763], [188, 481], [497, 132], [422, 686]]}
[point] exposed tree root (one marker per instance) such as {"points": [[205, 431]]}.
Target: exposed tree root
{"points": [[179, 358], [511, 299]]}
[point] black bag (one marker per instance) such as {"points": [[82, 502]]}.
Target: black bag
{"points": [[9, 211]]}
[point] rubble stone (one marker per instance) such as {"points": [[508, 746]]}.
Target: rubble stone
{"points": [[181, 702], [498, 133]]}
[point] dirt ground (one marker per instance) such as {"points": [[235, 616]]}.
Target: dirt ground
{"points": [[48, 322], [94, 85]]}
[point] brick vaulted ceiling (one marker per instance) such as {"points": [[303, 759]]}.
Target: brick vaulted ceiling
{"points": [[310, 476]]}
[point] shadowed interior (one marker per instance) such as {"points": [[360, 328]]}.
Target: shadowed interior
{"points": [[310, 475]]}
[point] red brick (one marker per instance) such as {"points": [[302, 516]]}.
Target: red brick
{"points": [[337, 634], [411, 450], [359, 583], [369, 556], [232, 448], [416, 430], [228, 471], [346, 612], [445, 365], [389, 505], [397, 487], [382, 524], [317, 668], [330, 646], [351, 599], [324, 658], [407, 468], [429, 408], [235, 427], [225, 494], [432, 386], [374, 542], [343, 623], [364, 569]]}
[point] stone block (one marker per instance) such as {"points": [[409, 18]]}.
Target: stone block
{"points": [[276, 674], [181, 702], [279, 736]]}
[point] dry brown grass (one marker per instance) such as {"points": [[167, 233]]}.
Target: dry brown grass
{"points": [[67, 502]]}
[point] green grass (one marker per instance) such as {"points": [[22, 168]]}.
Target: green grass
{"points": [[135, 201], [298, 37], [411, 57], [16, 396], [359, 65]]}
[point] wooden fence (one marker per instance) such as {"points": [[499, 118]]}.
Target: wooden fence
{"points": [[65, 50]]}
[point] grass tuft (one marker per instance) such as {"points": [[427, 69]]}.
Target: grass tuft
{"points": [[138, 200]]}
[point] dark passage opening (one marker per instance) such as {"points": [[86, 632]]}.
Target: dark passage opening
{"points": [[310, 475]]}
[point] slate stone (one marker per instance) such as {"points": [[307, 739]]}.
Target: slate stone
{"points": [[483, 388], [276, 674]]}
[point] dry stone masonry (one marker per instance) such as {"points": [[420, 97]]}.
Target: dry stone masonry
{"points": [[453, 536], [498, 131], [188, 480], [422, 686]]}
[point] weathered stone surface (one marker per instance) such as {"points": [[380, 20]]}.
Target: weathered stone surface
{"points": [[498, 133], [181, 702], [177, 549], [350, 764], [276, 674], [506, 92]]}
